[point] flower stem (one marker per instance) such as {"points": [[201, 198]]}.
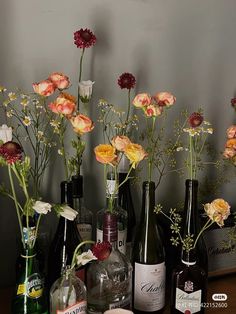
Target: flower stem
{"points": [[150, 159], [128, 113], [206, 226], [80, 75]]}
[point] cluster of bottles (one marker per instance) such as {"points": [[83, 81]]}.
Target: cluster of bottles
{"points": [[129, 278]]}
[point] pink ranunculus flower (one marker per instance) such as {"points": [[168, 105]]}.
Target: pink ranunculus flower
{"points": [[64, 104], [229, 153], [165, 99], [120, 142], [60, 80], [82, 124], [231, 131], [44, 88], [153, 110], [142, 100]]}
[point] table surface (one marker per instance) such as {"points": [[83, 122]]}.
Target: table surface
{"points": [[225, 284]]}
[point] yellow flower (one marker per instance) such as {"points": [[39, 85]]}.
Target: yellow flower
{"points": [[12, 96], [135, 153], [27, 121], [218, 211], [106, 154]]}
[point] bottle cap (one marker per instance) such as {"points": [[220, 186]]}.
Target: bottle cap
{"points": [[77, 186]]}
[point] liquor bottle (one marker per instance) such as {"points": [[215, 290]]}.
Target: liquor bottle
{"points": [[109, 282], [65, 240], [84, 219], [112, 193], [68, 294], [188, 288], [125, 201], [148, 259]]}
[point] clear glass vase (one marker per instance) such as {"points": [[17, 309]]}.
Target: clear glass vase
{"points": [[68, 294]]}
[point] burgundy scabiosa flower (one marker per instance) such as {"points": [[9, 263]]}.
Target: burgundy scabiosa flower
{"points": [[233, 102], [11, 152], [84, 38], [101, 250], [126, 80], [195, 119]]}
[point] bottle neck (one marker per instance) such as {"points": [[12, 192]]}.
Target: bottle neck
{"points": [[66, 193], [148, 202], [110, 232]]}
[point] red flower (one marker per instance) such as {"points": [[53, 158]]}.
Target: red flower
{"points": [[126, 80], [101, 250], [84, 38], [233, 102], [11, 152], [195, 119]]}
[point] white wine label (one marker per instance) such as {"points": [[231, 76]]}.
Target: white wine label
{"points": [[85, 231], [124, 304], [188, 301], [121, 241], [149, 283], [78, 308]]}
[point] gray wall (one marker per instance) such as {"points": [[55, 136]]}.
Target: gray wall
{"points": [[184, 46]]}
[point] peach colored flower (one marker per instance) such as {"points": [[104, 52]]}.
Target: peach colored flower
{"points": [[44, 88], [64, 104], [135, 153], [229, 153], [82, 124], [231, 131], [153, 110], [120, 142], [231, 143], [165, 99], [60, 80], [106, 154], [142, 100], [217, 211]]}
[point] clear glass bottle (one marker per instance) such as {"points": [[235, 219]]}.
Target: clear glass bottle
{"points": [[148, 259], [109, 282], [84, 218], [68, 294], [189, 279], [112, 193]]}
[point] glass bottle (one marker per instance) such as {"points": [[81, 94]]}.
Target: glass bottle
{"points": [[65, 240], [148, 259], [68, 294], [189, 280], [109, 283], [112, 193], [84, 218]]}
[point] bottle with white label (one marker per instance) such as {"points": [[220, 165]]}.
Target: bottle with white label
{"points": [[189, 280], [112, 206], [68, 294], [148, 259]]}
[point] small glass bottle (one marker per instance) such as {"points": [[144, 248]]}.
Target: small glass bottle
{"points": [[109, 283], [112, 193], [68, 294]]}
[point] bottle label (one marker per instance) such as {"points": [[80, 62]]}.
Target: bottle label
{"points": [[85, 231], [188, 301], [149, 283], [124, 304], [121, 241], [78, 308], [33, 287]]}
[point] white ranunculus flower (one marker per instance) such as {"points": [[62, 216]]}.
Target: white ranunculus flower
{"points": [[5, 133], [85, 90], [85, 258], [42, 207], [68, 212]]}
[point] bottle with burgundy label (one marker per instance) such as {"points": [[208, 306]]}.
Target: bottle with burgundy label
{"points": [[148, 259], [109, 283], [189, 279]]}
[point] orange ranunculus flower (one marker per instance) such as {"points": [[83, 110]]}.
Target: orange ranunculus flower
{"points": [[231, 143], [120, 142], [153, 110], [44, 88], [106, 154], [60, 80], [231, 131], [217, 211], [229, 152], [135, 153], [142, 100], [165, 99], [64, 104], [82, 124]]}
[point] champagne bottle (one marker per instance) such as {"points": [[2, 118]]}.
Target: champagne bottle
{"points": [[65, 240], [148, 259], [188, 288]]}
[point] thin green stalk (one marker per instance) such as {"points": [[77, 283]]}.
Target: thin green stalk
{"points": [[128, 113], [150, 159], [37, 228], [206, 226], [80, 75], [191, 157]]}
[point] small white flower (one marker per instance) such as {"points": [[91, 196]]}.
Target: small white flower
{"points": [[2, 89], [24, 102], [27, 121], [12, 96], [5, 133], [85, 258], [60, 152], [68, 212], [210, 130], [85, 90], [42, 207], [10, 113], [179, 149]]}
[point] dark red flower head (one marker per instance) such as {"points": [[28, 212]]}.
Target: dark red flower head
{"points": [[233, 102], [11, 152], [126, 80], [84, 38], [101, 250], [195, 119]]}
